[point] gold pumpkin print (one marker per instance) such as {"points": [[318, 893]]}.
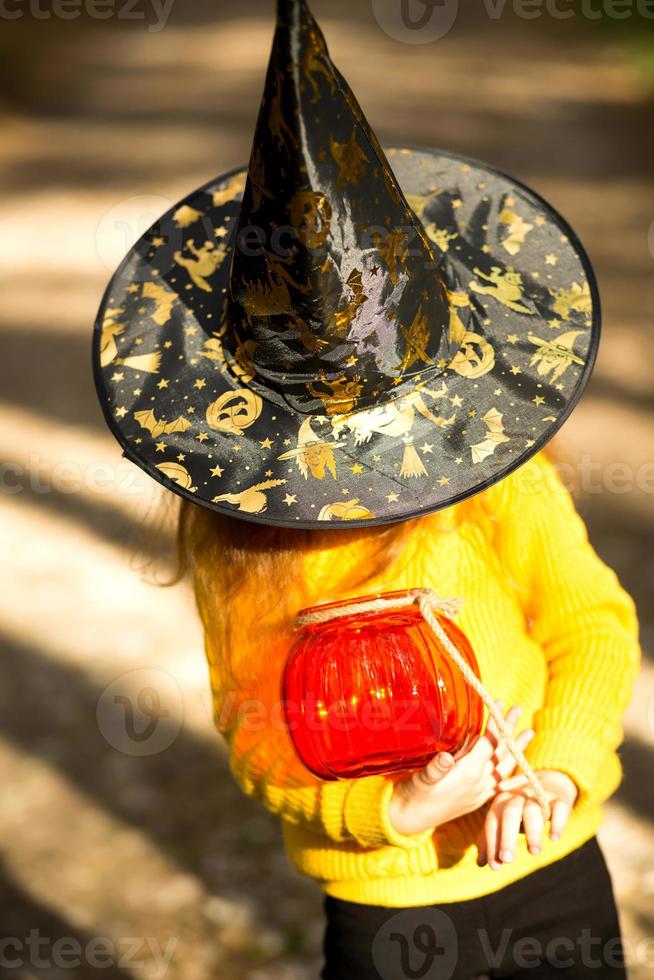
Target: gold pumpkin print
{"points": [[235, 411], [178, 474]]}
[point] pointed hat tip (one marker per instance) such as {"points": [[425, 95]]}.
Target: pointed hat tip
{"points": [[287, 9]]}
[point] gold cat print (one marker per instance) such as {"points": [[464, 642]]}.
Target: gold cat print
{"points": [[234, 411], [555, 355], [203, 263], [342, 395], [475, 356], [158, 427], [250, 501], [495, 436], [518, 231], [178, 474], [577, 299], [310, 215], [345, 510], [229, 189], [506, 287], [111, 328], [313, 455]]}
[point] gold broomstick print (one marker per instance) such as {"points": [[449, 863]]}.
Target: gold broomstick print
{"points": [[111, 328], [396, 420], [250, 501]]}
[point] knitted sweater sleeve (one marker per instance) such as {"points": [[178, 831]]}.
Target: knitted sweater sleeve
{"points": [[583, 619], [264, 763]]}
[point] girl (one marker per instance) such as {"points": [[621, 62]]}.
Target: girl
{"points": [[556, 637], [353, 395]]}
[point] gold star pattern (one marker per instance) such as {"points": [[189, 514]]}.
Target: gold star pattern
{"points": [[217, 470], [265, 443], [392, 498], [160, 447], [357, 468], [289, 499], [551, 259], [200, 383], [163, 383], [117, 376], [457, 401], [426, 448], [513, 338], [515, 370], [443, 482], [202, 437], [538, 400]]}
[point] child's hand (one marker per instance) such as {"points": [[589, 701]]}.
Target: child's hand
{"points": [[446, 789], [516, 805]]}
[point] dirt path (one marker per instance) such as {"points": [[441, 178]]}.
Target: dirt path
{"points": [[100, 134]]}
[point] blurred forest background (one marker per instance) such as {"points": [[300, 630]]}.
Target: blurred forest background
{"points": [[105, 123]]}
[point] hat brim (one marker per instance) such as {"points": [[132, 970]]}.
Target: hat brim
{"points": [[524, 307]]}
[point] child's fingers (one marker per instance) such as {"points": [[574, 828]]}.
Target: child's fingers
{"points": [[559, 818], [491, 838], [533, 823], [491, 740], [435, 769], [506, 763], [482, 856], [510, 828]]}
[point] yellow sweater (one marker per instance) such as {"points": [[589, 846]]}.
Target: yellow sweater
{"points": [[553, 631]]}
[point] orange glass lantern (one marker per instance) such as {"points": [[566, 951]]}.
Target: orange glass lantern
{"points": [[375, 692]]}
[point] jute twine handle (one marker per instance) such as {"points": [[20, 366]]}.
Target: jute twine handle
{"points": [[427, 601]]}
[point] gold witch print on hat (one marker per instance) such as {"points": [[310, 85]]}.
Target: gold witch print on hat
{"points": [[338, 333]]}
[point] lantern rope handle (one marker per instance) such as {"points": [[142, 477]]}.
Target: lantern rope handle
{"points": [[427, 601]]}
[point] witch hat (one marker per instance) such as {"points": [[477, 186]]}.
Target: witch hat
{"points": [[320, 328]]}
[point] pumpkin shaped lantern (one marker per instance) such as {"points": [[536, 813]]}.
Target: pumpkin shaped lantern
{"points": [[372, 691]]}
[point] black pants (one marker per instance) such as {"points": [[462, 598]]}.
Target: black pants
{"points": [[561, 919]]}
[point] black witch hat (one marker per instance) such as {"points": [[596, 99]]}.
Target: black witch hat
{"points": [[323, 338]]}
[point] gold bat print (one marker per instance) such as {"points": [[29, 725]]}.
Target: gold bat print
{"points": [[494, 436], [157, 427]]}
